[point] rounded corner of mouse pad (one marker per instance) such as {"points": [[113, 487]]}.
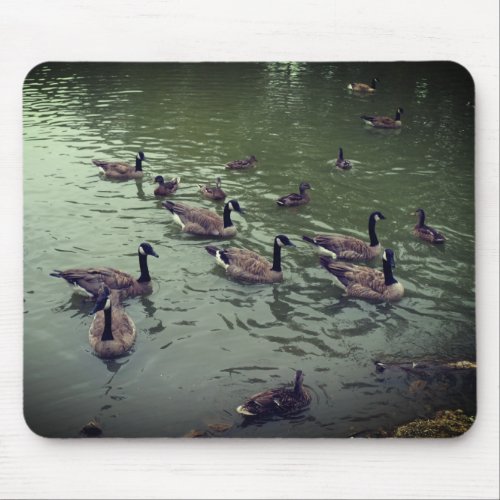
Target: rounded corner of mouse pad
{"points": [[278, 249]]}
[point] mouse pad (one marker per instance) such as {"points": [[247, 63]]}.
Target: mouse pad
{"points": [[249, 250]]}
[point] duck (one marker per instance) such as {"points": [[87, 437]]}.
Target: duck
{"points": [[213, 193], [120, 170], [112, 332], [247, 162], [365, 282], [343, 247], [294, 199], [384, 121], [364, 87], [250, 267], [424, 232], [166, 188], [203, 222], [341, 163], [281, 400], [89, 280]]}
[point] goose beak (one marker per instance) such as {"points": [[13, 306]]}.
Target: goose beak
{"points": [[94, 310], [154, 254], [241, 211], [292, 245]]}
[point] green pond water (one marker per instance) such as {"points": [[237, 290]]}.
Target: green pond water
{"points": [[205, 342]]}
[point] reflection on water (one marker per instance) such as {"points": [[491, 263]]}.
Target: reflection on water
{"points": [[206, 342]]}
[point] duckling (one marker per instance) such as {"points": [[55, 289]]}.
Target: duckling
{"points": [[112, 332], [363, 87], [249, 266], [166, 188], [88, 281], [248, 162], [424, 232], [294, 199], [339, 246], [213, 193], [279, 401], [341, 163], [365, 282], [204, 222], [121, 170], [384, 121]]}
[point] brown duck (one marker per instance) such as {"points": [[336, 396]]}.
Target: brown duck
{"points": [[364, 87], [424, 232], [166, 188], [248, 162], [212, 193], [296, 199]]}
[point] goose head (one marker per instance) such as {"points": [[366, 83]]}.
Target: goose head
{"points": [[103, 301], [234, 205], [146, 249], [388, 257], [283, 241], [377, 216], [140, 156]]}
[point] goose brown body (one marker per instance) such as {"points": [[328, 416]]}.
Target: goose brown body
{"points": [[345, 247], [248, 266], [296, 199], [248, 162], [166, 188], [280, 401], [112, 332], [384, 121], [203, 222], [364, 87], [212, 193], [424, 232], [121, 170], [365, 282], [89, 280]]}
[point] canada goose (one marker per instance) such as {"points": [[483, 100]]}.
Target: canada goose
{"points": [[341, 163], [365, 282], [112, 332], [363, 87], [294, 199], [204, 222], [339, 246], [213, 193], [88, 281], [166, 188], [280, 401], [384, 121], [424, 232], [249, 266], [120, 170], [248, 162]]}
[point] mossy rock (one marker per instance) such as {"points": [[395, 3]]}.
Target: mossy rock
{"points": [[446, 423]]}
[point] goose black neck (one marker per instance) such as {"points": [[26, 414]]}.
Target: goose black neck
{"points": [[227, 217], [298, 387], [398, 116], [143, 263], [371, 231], [341, 154], [389, 278], [138, 165], [276, 258], [374, 84], [421, 218], [107, 333]]}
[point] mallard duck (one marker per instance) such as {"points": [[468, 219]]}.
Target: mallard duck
{"points": [[365, 282], [424, 232], [112, 332], [248, 162], [166, 188], [363, 87], [213, 193], [277, 401], [204, 222], [341, 163], [249, 266], [120, 170], [339, 246], [384, 121], [88, 281], [294, 199]]}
